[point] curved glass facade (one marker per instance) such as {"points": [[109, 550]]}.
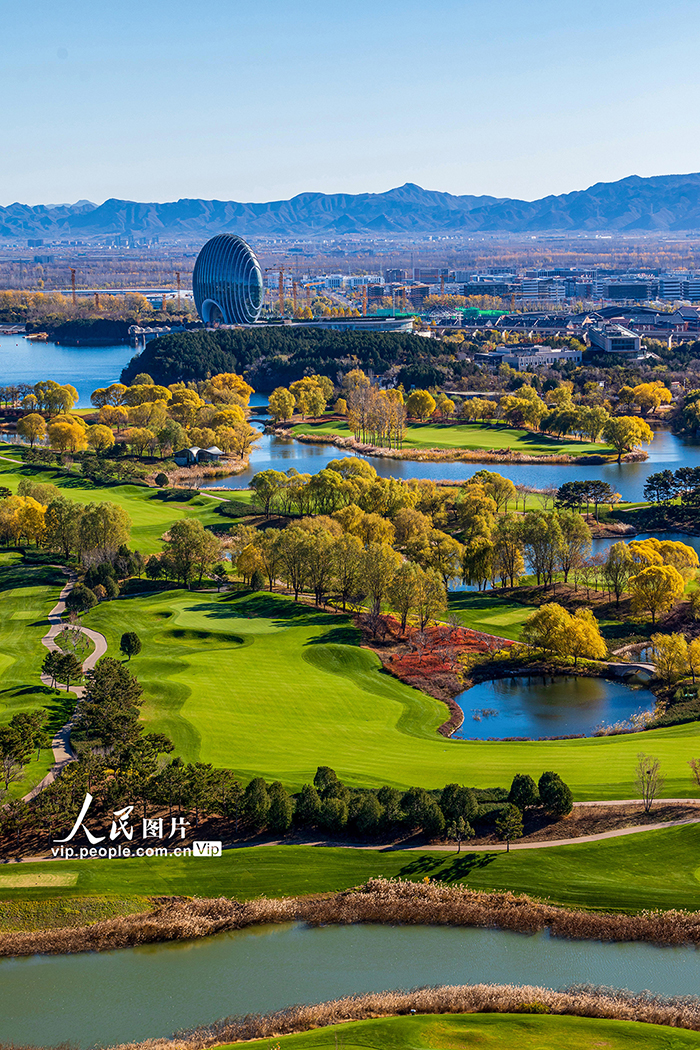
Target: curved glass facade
{"points": [[227, 281]]}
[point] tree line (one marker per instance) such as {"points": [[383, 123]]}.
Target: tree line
{"points": [[149, 418]]}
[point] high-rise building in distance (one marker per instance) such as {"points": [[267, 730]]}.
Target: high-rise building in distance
{"points": [[227, 281]]}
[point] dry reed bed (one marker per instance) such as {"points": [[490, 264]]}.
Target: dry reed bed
{"points": [[579, 1001], [448, 455], [381, 901]]}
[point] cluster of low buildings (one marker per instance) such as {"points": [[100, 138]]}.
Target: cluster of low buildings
{"points": [[531, 286]]}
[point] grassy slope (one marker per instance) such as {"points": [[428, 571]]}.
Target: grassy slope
{"points": [[489, 613], [657, 869], [150, 516], [487, 1032], [28, 593], [267, 687], [470, 436]]}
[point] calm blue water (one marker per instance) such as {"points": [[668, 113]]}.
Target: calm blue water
{"points": [[546, 706], [85, 367], [114, 997]]}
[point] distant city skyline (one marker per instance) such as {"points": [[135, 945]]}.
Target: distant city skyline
{"points": [[231, 101]]}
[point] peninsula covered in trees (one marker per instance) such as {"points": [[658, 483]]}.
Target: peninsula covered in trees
{"points": [[272, 355]]}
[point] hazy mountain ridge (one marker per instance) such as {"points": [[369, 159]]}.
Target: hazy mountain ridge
{"points": [[661, 203]]}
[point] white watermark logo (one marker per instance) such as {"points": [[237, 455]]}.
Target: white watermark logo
{"points": [[152, 828]]}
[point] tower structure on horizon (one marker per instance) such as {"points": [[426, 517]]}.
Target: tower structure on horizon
{"points": [[227, 281]]}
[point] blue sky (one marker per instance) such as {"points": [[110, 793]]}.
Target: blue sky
{"points": [[264, 99]]}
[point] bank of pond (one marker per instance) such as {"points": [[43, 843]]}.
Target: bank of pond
{"points": [[666, 452]]}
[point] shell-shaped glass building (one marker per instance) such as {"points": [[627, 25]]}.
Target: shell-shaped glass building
{"points": [[227, 281]]}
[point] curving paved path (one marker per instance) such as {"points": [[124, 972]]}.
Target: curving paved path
{"points": [[62, 752]]}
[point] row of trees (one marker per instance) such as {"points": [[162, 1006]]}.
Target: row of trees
{"points": [[655, 572], [42, 515], [499, 547], [149, 418], [494, 546], [380, 416], [136, 771]]}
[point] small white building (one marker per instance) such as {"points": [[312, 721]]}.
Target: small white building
{"points": [[194, 456]]}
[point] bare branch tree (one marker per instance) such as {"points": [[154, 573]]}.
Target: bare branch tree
{"points": [[648, 780]]}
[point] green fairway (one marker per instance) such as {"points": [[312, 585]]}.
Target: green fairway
{"points": [[655, 869], [489, 613], [28, 593], [150, 516], [486, 1032], [269, 687], [472, 437]]}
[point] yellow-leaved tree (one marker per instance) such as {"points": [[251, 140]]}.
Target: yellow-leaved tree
{"points": [[656, 589], [32, 428], [553, 629]]}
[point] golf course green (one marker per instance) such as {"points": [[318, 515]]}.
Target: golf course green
{"points": [[150, 516], [470, 436], [269, 687], [487, 1032]]}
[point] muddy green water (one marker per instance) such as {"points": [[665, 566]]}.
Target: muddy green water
{"points": [[101, 999]]}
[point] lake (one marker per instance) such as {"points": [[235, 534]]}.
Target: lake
{"points": [[545, 705], [25, 361], [137, 993], [666, 452], [85, 367]]}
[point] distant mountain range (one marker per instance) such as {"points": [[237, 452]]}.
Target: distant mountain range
{"points": [[663, 203]]}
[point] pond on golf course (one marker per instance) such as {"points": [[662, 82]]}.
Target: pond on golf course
{"points": [[155, 990], [537, 706]]}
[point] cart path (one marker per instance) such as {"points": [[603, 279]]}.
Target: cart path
{"points": [[494, 847], [62, 751]]}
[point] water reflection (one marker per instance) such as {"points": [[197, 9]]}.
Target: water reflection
{"points": [[666, 452], [535, 706]]}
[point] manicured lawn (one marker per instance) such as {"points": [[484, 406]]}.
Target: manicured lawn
{"points": [[489, 613], [28, 593], [656, 869], [471, 436], [150, 516], [268, 687], [487, 1032]]}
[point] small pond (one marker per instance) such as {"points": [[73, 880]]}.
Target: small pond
{"points": [[115, 997], [542, 706]]}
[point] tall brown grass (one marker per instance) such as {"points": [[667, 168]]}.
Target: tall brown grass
{"points": [[393, 902], [579, 1001]]}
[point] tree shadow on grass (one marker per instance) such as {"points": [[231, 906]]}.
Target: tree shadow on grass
{"points": [[59, 706], [283, 612], [22, 575], [339, 635], [458, 867]]}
